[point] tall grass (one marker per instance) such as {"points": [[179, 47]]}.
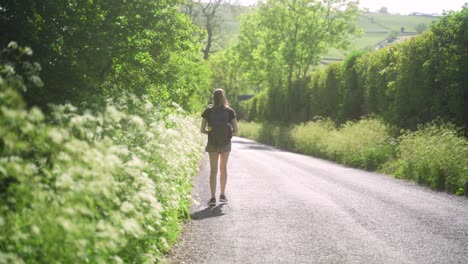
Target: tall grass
{"points": [[107, 186], [273, 134], [364, 144], [250, 130], [435, 155]]}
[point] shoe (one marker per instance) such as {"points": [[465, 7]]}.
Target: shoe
{"points": [[223, 199], [212, 202]]}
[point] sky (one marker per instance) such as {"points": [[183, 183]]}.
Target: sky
{"points": [[405, 6]]}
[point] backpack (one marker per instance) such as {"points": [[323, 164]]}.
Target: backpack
{"points": [[221, 131]]}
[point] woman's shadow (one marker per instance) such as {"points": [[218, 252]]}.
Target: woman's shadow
{"points": [[211, 211]]}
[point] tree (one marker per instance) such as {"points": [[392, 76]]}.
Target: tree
{"points": [[286, 38], [208, 14], [91, 48], [383, 10], [420, 28]]}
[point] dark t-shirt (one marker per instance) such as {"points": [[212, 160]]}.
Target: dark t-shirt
{"points": [[231, 112]]}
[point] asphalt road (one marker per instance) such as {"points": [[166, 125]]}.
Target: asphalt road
{"points": [[290, 208]]}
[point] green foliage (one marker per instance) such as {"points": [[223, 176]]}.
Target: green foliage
{"points": [[435, 155], [364, 144], [218, 18], [17, 69], [406, 84], [280, 41], [88, 49], [420, 28], [249, 130], [311, 138], [274, 134], [102, 186]]}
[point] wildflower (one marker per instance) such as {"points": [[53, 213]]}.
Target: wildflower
{"points": [[13, 45], [28, 51], [65, 224], [70, 107], [126, 207], [136, 162], [63, 156], [164, 243], [64, 181], [70, 211], [148, 106], [117, 259], [136, 120], [132, 227], [114, 114], [35, 230], [149, 135], [36, 114], [55, 135], [8, 70], [36, 80], [77, 121]]}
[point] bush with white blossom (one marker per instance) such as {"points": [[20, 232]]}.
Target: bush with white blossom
{"points": [[81, 186]]}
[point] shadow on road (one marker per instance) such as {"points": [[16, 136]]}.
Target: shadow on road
{"points": [[242, 142], [253, 145], [213, 211]]}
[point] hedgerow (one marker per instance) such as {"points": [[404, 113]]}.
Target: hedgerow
{"points": [[406, 84], [92, 186]]}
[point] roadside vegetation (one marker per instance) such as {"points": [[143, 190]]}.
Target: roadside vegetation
{"points": [[435, 155], [98, 145], [98, 139], [414, 91], [104, 185]]}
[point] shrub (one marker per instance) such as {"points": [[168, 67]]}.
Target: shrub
{"points": [[249, 130], [365, 144], [436, 156], [312, 137], [106, 186]]}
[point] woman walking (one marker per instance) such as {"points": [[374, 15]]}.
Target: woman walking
{"points": [[219, 123]]}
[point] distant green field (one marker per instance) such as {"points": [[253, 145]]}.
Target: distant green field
{"points": [[365, 23], [377, 28], [396, 22]]}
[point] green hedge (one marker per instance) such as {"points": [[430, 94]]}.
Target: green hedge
{"points": [[82, 186], [407, 84]]}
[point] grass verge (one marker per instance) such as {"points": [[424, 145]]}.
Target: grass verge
{"points": [[435, 155]]}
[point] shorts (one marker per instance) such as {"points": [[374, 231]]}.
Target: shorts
{"points": [[225, 148]]}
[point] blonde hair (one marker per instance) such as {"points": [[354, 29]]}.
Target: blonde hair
{"points": [[219, 99]]}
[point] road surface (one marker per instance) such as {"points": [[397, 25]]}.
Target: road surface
{"points": [[290, 208]]}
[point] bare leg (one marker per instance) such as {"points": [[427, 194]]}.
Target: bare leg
{"points": [[223, 170], [213, 173]]}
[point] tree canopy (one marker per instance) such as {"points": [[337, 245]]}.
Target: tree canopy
{"points": [[89, 48], [282, 40]]}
